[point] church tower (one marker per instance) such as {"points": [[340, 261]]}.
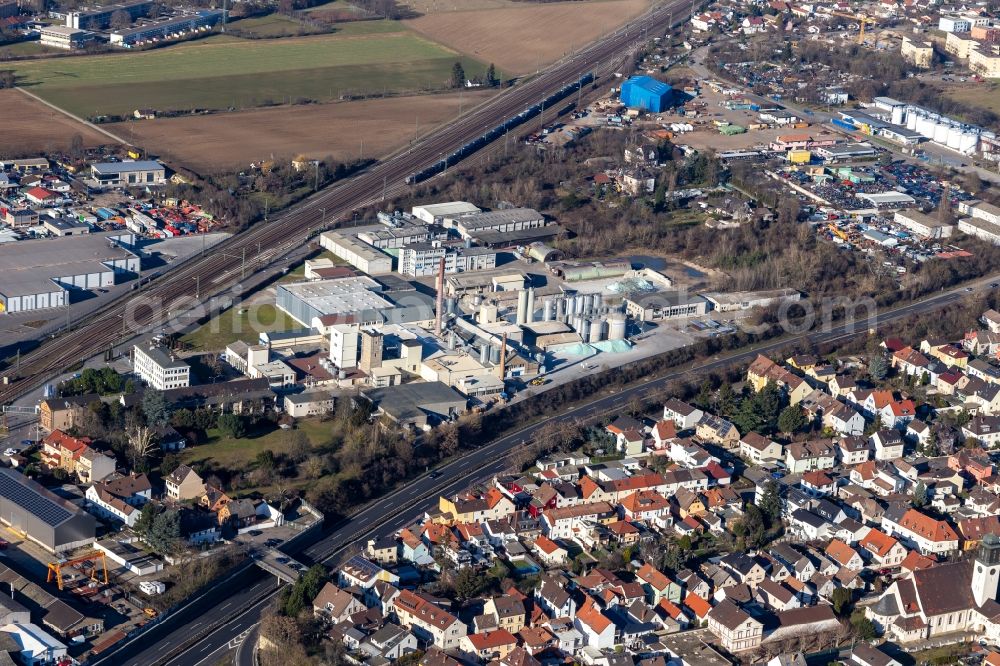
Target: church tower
{"points": [[986, 569]]}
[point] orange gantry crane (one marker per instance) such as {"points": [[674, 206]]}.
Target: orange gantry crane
{"points": [[862, 21], [55, 568]]}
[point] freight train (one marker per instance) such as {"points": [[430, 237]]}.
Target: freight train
{"points": [[498, 131]]}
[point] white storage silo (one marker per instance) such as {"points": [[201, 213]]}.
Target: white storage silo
{"points": [[925, 126], [530, 313], [547, 309], [522, 307], [584, 328], [954, 137], [596, 330], [616, 326], [911, 120], [941, 130], [898, 113], [969, 142]]}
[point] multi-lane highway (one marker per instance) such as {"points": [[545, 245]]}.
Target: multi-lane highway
{"points": [[266, 243], [228, 623]]}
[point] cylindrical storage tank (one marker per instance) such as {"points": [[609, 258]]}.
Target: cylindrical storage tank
{"points": [[911, 121], [547, 309], [494, 354], [897, 115], [616, 326], [969, 142], [596, 330], [941, 132], [452, 305], [522, 307], [597, 300], [954, 137], [584, 329], [925, 127], [484, 354], [477, 300], [531, 306], [581, 304], [561, 309], [577, 323]]}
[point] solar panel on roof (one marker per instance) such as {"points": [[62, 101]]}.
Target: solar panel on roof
{"points": [[31, 499]]}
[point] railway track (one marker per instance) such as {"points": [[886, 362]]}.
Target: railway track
{"points": [[266, 242]]}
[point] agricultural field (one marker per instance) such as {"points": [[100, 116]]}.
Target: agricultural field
{"points": [[238, 74], [30, 127], [272, 25], [984, 95], [519, 37], [223, 141]]}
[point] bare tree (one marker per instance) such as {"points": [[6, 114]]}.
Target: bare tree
{"points": [[142, 443], [120, 19]]}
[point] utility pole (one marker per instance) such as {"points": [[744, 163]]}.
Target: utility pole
{"points": [[323, 223], [316, 186], [197, 287], [385, 185], [244, 264]]}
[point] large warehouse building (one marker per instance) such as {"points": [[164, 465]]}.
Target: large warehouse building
{"points": [[361, 300], [645, 92], [41, 274], [51, 522]]}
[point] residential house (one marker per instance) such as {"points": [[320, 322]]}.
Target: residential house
{"points": [[898, 413], [682, 414], [756, 448], [763, 370], [657, 585], [853, 450], [549, 552], [717, 430], [804, 456], [428, 621], [184, 484], [736, 630], [335, 605], [598, 630], [927, 534], [888, 444], [488, 645]]}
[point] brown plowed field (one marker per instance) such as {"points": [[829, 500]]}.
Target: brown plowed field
{"points": [[519, 37], [232, 140], [30, 127]]}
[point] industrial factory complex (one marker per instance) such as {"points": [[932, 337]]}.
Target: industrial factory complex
{"points": [[450, 296]]}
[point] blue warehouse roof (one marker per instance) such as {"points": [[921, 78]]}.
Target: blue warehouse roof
{"points": [[650, 84]]}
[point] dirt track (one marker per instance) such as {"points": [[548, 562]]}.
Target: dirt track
{"points": [[521, 37], [233, 140], [31, 128]]}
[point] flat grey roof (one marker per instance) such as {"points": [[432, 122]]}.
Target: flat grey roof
{"points": [[29, 266], [495, 217], [407, 401], [162, 358], [105, 168]]}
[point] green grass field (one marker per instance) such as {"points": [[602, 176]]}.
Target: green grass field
{"points": [[238, 324], [224, 73], [232, 453], [272, 25]]}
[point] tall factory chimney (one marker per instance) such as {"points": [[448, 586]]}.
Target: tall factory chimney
{"points": [[440, 299], [503, 357]]}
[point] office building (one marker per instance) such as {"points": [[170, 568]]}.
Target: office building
{"points": [[160, 369]]}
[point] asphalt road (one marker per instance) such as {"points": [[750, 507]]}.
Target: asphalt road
{"points": [[387, 515]]}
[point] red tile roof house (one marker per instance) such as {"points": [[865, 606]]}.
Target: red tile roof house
{"points": [[40, 196]]}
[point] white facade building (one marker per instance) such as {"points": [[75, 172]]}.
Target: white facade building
{"points": [[160, 369]]}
